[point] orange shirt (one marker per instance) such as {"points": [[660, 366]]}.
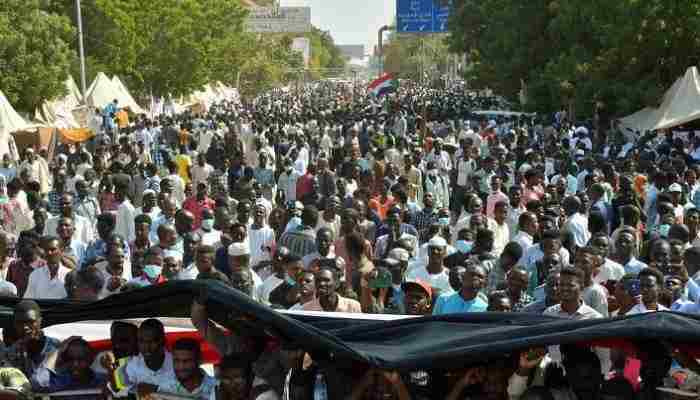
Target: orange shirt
{"points": [[122, 119]]}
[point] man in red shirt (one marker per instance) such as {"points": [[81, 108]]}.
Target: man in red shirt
{"points": [[195, 204]]}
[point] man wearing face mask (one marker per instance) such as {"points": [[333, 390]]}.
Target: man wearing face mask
{"points": [[196, 204], [463, 245], [286, 294], [209, 235]]}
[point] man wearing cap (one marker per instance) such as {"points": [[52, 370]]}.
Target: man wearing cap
{"points": [[676, 192], [239, 259], [467, 299], [434, 272], [417, 299]]}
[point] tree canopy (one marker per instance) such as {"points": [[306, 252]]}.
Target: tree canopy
{"points": [[406, 55], [156, 47], [35, 52], [623, 53]]}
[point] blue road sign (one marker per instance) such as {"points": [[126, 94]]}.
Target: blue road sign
{"points": [[421, 16]]}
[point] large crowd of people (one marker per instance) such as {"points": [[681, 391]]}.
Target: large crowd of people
{"points": [[409, 204]]}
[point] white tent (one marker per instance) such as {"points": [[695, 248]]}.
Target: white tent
{"points": [[102, 91], [128, 99], [59, 112], [680, 105], [10, 121]]}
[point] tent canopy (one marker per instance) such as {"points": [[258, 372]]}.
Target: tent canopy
{"points": [[102, 91], [10, 121], [58, 113], [128, 99], [680, 105]]}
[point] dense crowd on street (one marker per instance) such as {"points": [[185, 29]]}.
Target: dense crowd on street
{"points": [[316, 200]]}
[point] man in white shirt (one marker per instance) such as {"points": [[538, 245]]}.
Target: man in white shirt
{"points": [[83, 230], [576, 222], [528, 226], [287, 182], [48, 281], [176, 182], [499, 227], [434, 272], [142, 374], [189, 378], [126, 212], [201, 170], [260, 237], [650, 284]]}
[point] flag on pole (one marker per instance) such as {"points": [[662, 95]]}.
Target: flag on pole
{"points": [[383, 85]]}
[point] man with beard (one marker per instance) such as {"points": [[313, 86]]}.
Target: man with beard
{"points": [[190, 379], [142, 374]]}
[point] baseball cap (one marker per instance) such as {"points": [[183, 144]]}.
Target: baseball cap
{"points": [[419, 283]]}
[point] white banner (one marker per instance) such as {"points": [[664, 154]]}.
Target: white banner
{"points": [[279, 19]]}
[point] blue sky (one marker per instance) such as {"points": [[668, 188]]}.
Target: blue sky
{"points": [[349, 21]]}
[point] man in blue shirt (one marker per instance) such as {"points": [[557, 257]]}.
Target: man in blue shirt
{"points": [[467, 299]]}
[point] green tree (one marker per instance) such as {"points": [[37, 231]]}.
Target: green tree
{"points": [[35, 53], [622, 53], [409, 55]]}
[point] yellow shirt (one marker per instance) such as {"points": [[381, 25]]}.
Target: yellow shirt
{"points": [[184, 162], [122, 119]]}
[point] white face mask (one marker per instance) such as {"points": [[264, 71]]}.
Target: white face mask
{"points": [[207, 224]]}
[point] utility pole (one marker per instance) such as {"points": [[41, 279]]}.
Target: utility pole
{"points": [[81, 49], [380, 47]]}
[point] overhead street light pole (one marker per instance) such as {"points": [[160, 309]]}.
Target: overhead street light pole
{"points": [[81, 49]]}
